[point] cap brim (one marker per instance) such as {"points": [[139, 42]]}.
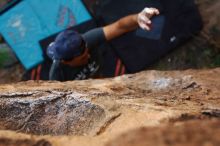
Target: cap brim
{"points": [[51, 51], [54, 70]]}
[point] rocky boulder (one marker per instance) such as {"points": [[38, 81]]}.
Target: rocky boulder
{"points": [[148, 108]]}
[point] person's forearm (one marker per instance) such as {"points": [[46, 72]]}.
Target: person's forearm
{"points": [[121, 26], [130, 23], [127, 23]]}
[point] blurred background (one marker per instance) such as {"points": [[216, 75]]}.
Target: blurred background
{"points": [[199, 52]]}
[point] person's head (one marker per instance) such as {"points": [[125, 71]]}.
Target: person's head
{"points": [[70, 48]]}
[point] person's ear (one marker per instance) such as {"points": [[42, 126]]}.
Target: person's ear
{"points": [[65, 62], [79, 60]]}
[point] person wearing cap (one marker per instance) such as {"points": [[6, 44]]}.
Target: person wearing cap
{"points": [[78, 51]]}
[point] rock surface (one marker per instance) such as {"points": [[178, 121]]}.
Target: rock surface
{"points": [[148, 108]]}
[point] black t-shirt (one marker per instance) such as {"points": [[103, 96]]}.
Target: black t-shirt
{"points": [[93, 39]]}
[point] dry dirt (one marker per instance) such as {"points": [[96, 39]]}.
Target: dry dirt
{"points": [[149, 108], [211, 19]]}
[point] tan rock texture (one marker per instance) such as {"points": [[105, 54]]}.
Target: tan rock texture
{"points": [[149, 108]]}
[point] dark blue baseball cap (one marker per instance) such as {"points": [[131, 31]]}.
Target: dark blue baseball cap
{"points": [[67, 45]]}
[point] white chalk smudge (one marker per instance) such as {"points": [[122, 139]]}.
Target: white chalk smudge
{"points": [[16, 23], [162, 83]]}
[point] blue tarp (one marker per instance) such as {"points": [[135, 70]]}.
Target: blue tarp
{"points": [[32, 20]]}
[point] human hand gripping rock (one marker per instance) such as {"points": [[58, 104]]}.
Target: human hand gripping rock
{"points": [[144, 17]]}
